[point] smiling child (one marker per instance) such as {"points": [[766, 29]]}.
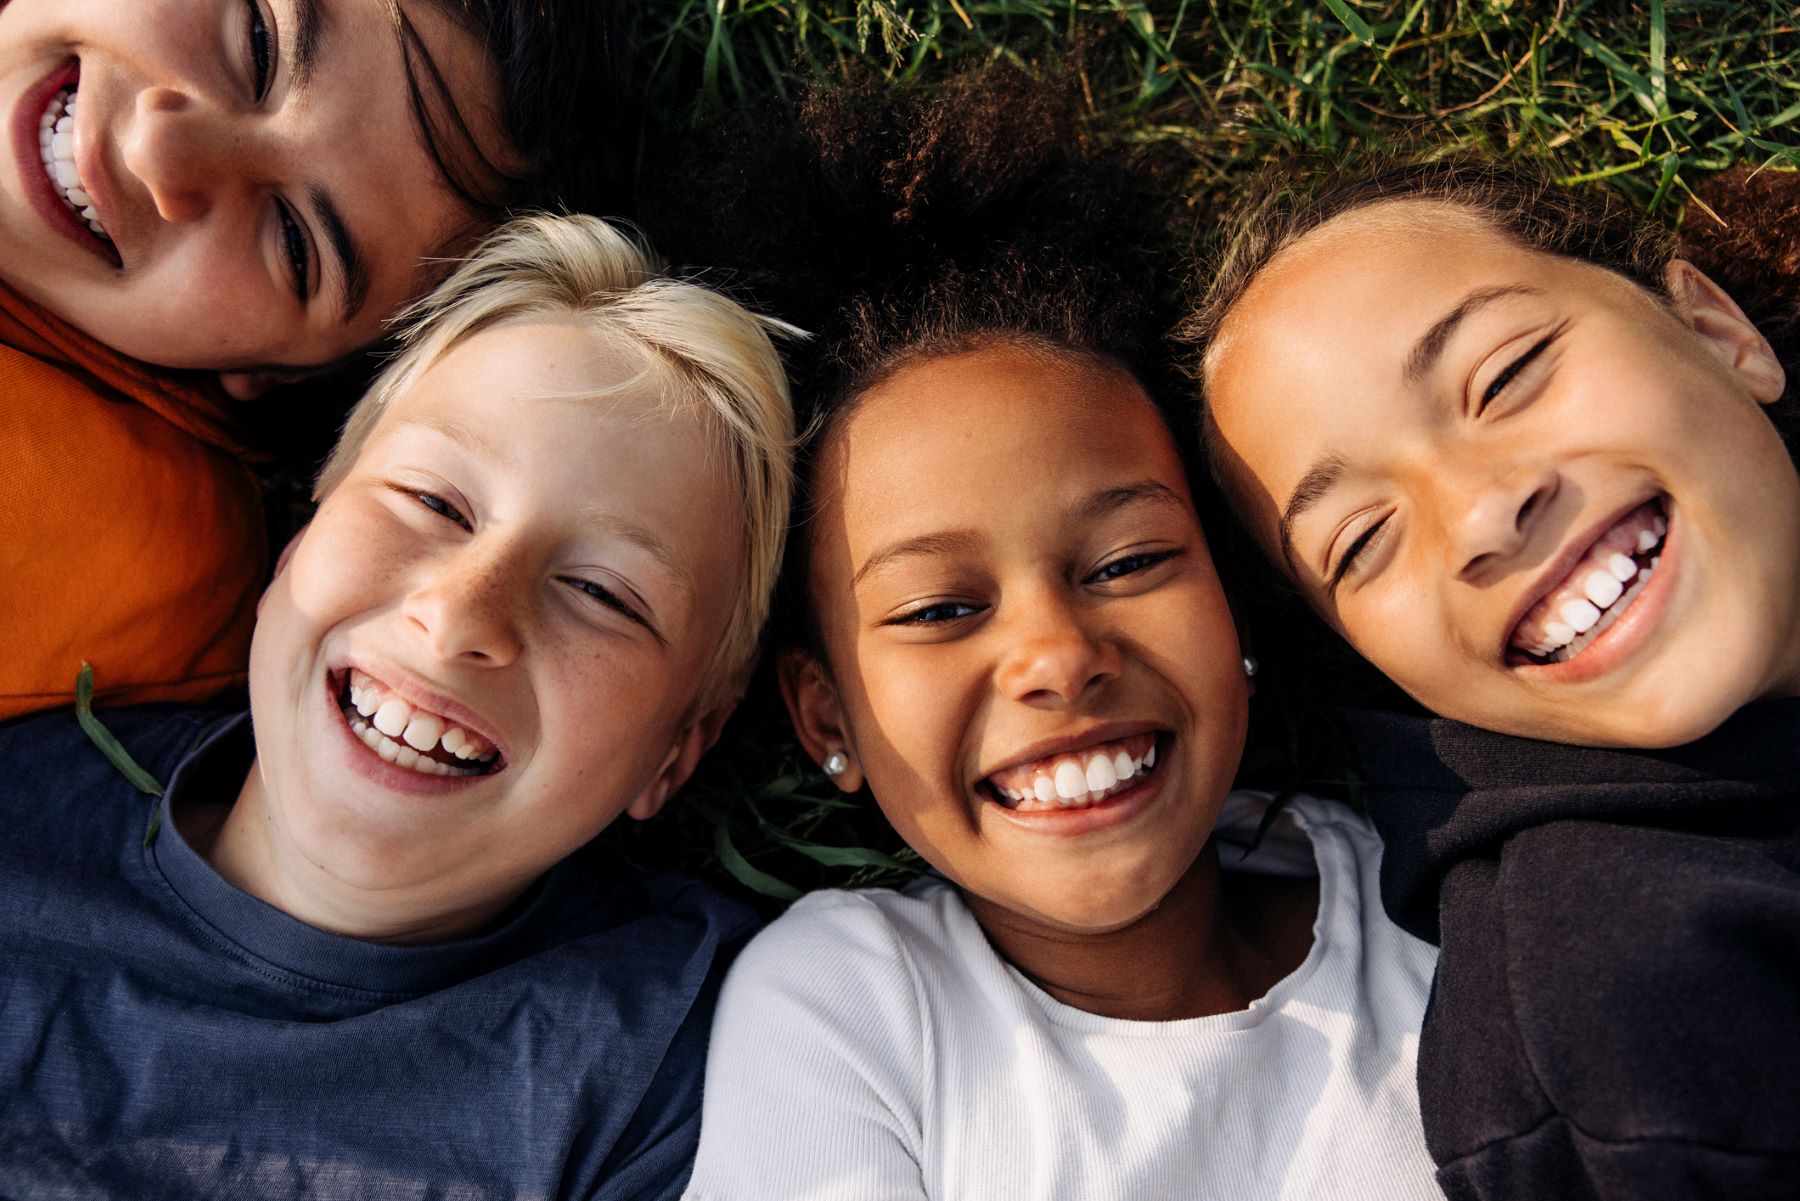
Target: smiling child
{"points": [[349, 954], [242, 191], [1016, 640], [1520, 456]]}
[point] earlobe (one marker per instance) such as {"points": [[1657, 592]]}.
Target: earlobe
{"points": [[695, 739], [817, 712], [1711, 312]]}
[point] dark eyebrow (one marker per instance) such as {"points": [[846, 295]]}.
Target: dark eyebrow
{"points": [[1319, 479], [1111, 499], [1425, 354], [351, 269], [925, 544], [304, 45]]}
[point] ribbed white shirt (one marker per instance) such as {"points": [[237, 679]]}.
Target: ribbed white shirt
{"points": [[872, 1045]]}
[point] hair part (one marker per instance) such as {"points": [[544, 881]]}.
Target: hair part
{"points": [[715, 356]]}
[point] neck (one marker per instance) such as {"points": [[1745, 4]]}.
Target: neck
{"points": [[247, 847], [1213, 945]]}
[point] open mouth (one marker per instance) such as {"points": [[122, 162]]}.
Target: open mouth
{"points": [[407, 736], [56, 148], [1596, 592], [1075, 779]]}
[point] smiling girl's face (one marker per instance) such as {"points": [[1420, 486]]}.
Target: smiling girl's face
{"points": [[1538, 498], [1028, 655]]}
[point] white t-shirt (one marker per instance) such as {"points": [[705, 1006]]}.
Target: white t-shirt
{"points": [[873, 1045]]}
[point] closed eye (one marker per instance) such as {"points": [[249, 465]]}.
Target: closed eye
{"points": [[262, 52], [296, 252], [1512, 370], [612, 600], [436, 504], [1363, 541]]}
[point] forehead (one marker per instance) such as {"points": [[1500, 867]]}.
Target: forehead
{"points": [[1000, 435]]}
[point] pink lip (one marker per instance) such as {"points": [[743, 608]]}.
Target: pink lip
{"points": [[1558, 570], [1619, 640], [1067, 743], [366, 763], [38, 188]]}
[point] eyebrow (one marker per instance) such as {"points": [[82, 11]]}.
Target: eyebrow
{"points": [[1319, 479], [926, 544], [1430, 347], [646, 540], [1111, 500], [309, 22], [464, 435]]}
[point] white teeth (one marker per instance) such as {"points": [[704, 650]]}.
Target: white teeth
{"points": [[388, 749], [1123, 767], [1580, 614], [453, 740], [406, 757], [371, 736], [403, 756], [1150, 757], [1647, 540], [1071, 781], [1624, 569], [1100, 774], [422, 731], [1601, 588], [391, 718], [367, 702], [1643, 575], [1044, 788], [1558, 634]]}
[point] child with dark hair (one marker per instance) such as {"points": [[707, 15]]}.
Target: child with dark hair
{"points": [[346, 953], [1008, 626], [206, 197], [1520, 454]]}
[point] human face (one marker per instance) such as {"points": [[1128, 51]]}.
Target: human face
{"points": [[512, 557], [1014, 594], [1538, 498], [264, 194]]}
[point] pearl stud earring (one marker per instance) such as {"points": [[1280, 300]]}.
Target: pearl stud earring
{"points": [[1250, 666], [836, 764]]}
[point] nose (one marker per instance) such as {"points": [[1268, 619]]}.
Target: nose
{"points": [[177, 147], [468, 608], [1054, 655], [1492, 514]]}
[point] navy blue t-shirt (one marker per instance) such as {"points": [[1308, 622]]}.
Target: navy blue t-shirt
{"points": [[163, 1034]]}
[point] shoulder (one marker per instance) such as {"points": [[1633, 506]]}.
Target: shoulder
{"points": [[868, 935], [48, 761]]}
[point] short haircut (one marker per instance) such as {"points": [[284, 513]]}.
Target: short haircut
{"points": [[713, 355]]}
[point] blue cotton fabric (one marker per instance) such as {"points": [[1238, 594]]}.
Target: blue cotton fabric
{"points": [[163, 1034]]}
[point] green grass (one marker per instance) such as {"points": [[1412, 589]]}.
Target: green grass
{"points": [[1645, 98]]}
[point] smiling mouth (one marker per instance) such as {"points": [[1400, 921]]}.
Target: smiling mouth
{"points": [[56, 148], [1075, 779], [1596, 592], [410, 737]]}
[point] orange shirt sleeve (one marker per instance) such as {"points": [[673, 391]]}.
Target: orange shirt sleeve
{"points": [[126, 541]]}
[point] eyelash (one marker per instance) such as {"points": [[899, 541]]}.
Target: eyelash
{"points": [[1133, 563], [293, 245], [1363, 541], [1130, 565], [260, 61], [1512, 370]]}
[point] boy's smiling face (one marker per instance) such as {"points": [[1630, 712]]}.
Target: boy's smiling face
{"points": [[262, 185], [548, 572], [1031, 658], [1537, 498]]}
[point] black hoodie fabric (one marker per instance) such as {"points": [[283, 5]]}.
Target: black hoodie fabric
{"points": [[1617, 1006]]}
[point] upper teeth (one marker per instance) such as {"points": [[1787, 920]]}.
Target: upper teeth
{"points": [[1073, 781], [1600, 589], [56, 146], [417, 731]]}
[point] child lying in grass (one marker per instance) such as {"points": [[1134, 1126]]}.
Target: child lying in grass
{"points": [[350, 959], [238, 192], [1015, 638], [1521, 457]]}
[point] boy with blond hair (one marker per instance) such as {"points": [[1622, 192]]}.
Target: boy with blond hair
{"points": [[352, 957]]}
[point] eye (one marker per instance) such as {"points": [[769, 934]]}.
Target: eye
{"points": [[606, 596], [1366, 539], [936, 613], [262, 59], [436, 504], [1131, 564], [295, 251], [1512, 370]]}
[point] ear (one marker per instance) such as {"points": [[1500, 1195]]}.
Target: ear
{"points": [[817, 713], [695, 739], [287, 552], [1716, 317]]}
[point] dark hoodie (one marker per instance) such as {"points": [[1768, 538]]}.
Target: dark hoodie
{"points": [[1617, 1006]]}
